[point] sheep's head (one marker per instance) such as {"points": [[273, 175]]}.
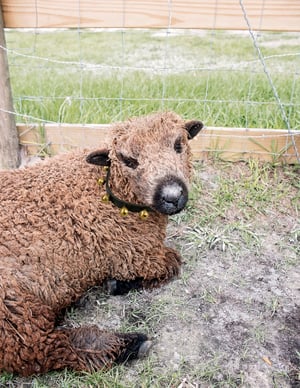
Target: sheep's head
{"points": [[150, 160]]}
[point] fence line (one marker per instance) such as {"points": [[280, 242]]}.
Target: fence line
{"points": [[253, 16], [266, 70], [232, 144], [276, 15]]}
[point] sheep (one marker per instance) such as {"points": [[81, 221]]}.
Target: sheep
{"points": [[83, 219]]}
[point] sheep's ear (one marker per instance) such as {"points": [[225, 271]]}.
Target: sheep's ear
{"points": [[193, 128], [100, 158]]}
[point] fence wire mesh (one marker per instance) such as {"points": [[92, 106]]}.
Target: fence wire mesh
{"points": [[237, 79]]}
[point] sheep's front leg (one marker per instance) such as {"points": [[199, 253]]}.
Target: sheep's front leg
{"points": [[164, 269], [30, 343], [82, 349], [99, 349]]}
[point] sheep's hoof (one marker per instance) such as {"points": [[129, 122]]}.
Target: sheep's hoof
{"points": [[136, 345], [111, 286], [144, 349], [121, 287]]}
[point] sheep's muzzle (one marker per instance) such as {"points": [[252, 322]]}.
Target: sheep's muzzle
{"points": [[171, 195]]}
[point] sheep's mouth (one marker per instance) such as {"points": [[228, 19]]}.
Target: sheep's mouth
{"points": [[171, 195]]}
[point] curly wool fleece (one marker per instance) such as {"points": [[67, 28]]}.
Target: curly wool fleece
{"points": [[58, 239]]}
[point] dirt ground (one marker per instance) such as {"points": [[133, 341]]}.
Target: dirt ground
{"points": [[232, 319]]}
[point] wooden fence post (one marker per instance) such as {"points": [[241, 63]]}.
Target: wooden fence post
{"points": [[9, 140]]}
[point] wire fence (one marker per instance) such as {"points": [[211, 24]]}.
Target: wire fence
{"points": [[233, 79]]}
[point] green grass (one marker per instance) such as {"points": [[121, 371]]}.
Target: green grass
{"points": [[213, 76]]}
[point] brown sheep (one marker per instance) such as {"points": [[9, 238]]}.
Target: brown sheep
{"points": [[58, 239]]}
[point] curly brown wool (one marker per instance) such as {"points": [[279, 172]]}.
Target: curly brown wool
{"points": [[58, 239]]}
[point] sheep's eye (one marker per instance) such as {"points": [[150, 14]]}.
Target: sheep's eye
{"points": [[128, 161], [178, 145]]}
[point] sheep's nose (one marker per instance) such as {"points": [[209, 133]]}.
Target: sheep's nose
{"points": [[171, 195]]}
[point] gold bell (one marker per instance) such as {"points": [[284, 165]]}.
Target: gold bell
{"points": [[105, 198], [105, 168], [100, 181], [124, 211], [144, 214]]}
